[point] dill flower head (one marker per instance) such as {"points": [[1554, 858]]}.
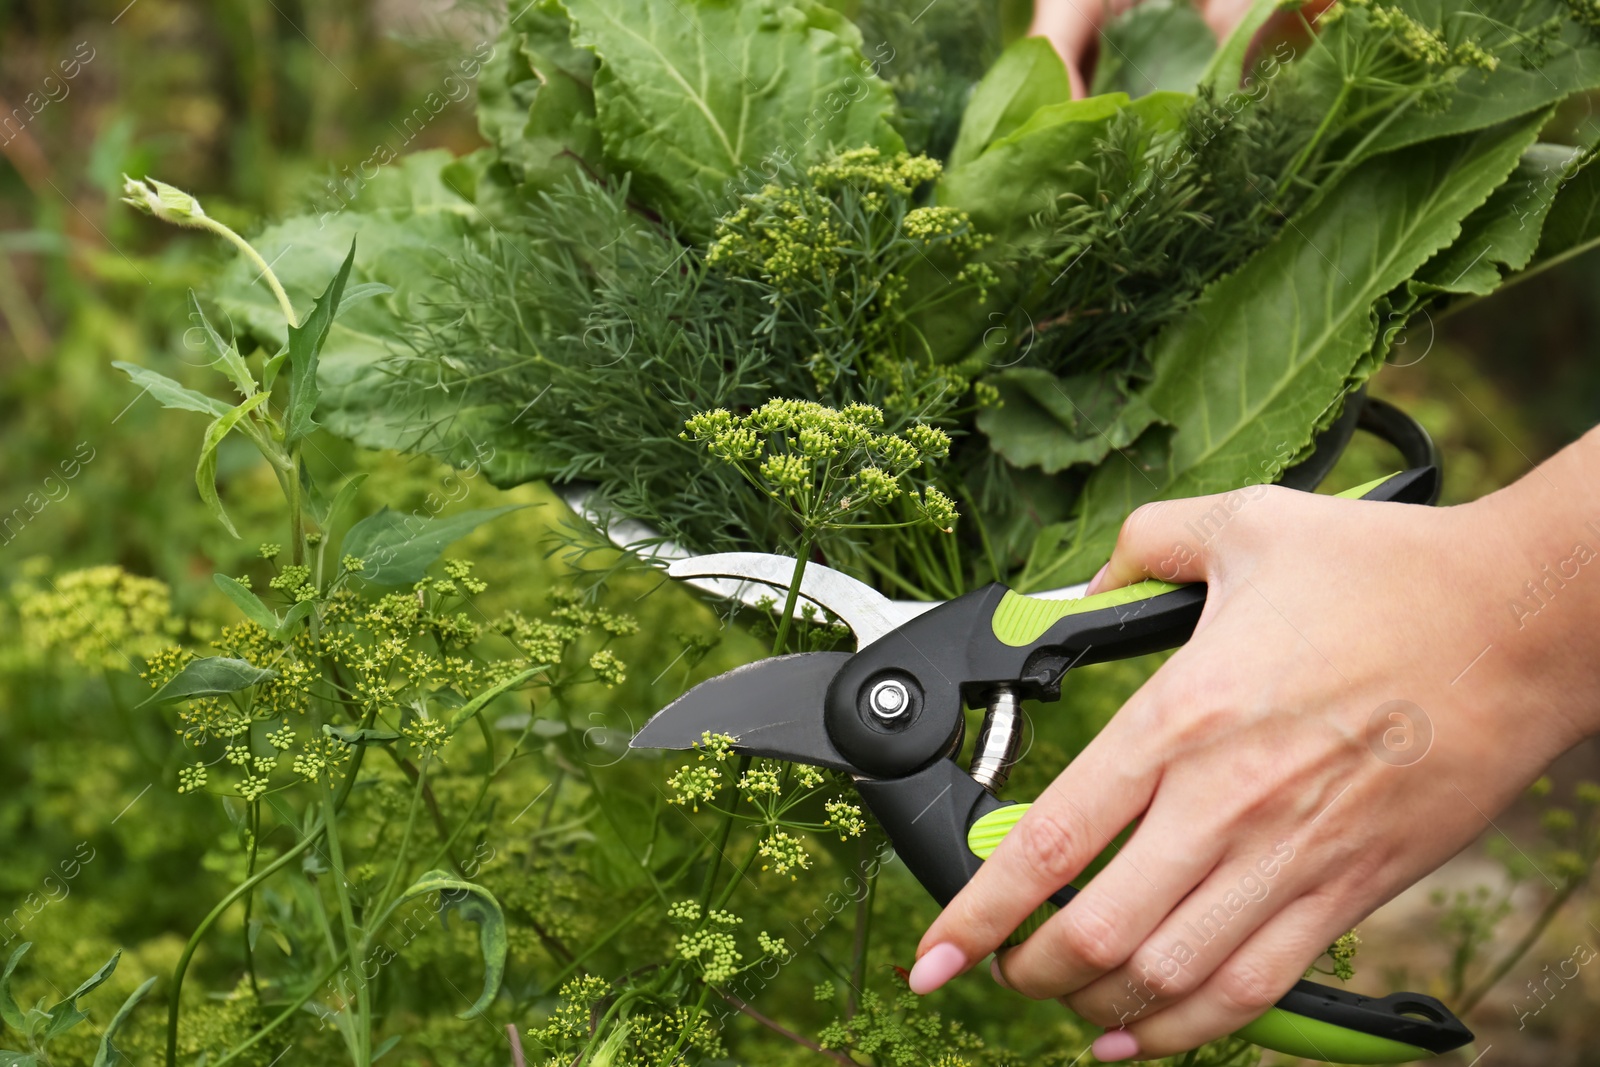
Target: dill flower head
{"points": [[783, 854], [103, 617], [828, 466]]}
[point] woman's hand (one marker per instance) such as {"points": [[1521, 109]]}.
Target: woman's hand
{"points": [[1368, 686]]}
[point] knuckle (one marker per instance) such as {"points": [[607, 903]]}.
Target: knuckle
{"points": [[1048, 845], [1094, 940], [1245, 990]]}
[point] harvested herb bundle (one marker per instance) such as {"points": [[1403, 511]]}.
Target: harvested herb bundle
{"points": [[1157, 291]]}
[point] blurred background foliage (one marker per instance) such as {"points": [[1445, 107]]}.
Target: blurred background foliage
{"points": [[258, 105]]}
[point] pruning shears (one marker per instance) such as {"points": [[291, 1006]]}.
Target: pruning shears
{"points": [[891, 716]]}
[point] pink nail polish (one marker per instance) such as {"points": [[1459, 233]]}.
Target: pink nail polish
{"points": [[937, 966], [1094, 583], [1115, 1045], [997, 975]]}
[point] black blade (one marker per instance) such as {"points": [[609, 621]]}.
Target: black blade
{"points": [[773, 707]]}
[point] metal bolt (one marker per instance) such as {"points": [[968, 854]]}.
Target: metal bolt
{"points": [[889, 700]]}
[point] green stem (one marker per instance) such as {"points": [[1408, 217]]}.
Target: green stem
{"points": [[250, 897], [205, 924], [858, 965], [249, 252], [683, 1035], [723, 833], [1520, 949], [285, 1015], [352, 939], [405, 840], [297, 523], [794, 595]]}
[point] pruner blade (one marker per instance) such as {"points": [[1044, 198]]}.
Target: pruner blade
{"points": [[773, 707]]}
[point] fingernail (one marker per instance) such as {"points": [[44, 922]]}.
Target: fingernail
{"points": [[1094, 583], [938, 965], [994, 972], [1114, 1046]]}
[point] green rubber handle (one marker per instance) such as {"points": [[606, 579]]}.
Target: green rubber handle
{"points": [[1278, 1030], [1021, 620]]}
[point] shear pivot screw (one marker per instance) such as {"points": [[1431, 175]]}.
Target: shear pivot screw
{"points": [[889, 700]]}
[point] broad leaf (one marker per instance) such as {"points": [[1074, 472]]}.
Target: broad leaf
{"points": [[1573, 224], [536, 99], [397, 549], [168, 393], [695, 94], [1246, 376], [8, 1004], [247, 602], [476, 904], [1024, 172], [1158, 44], [1504, 233], [224, 353], [108, 1054], [1026, 77], [300, 611], [9, 1058], [205, 471], [1054, 423], [66, 1014], [305, 346], [209, 677]]}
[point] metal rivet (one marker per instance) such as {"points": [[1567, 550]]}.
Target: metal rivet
{"points": [[889, 700]]}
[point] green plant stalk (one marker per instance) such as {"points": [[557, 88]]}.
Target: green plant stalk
{"points": [[205, 924], [352, 939], [405, 842], [1520, 949], [683, 1035], [285, 1015], [250, 896], [858, 965], [206, 222], [804, 550]]}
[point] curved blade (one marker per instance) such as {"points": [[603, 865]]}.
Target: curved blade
{"points": [[867, 612], [773, 707]]}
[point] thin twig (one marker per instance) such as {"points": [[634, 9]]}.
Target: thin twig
{"points": [[784, 1031]]}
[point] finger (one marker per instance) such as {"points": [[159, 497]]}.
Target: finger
{"points": [[1223, 15], [1113, 916], [1251, 980], [1193, 942], [1175, 540], [1103, 790]]}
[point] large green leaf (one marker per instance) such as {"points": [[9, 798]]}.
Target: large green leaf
{"points": [[1573, 224], [536, 98], [475, 904], [209, 677], [695, 94], [168, 393], [1503, 234], [1159, 44], [205, 470], [1027, 76], [305, 346], [108, 1055], [1530, 76], [1054, 423], [1246, 376], [1022, 173], [8, 1004], [397, 549], [65, 1013], [409, 222]]}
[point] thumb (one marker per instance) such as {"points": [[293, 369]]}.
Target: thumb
{"points": [[1172, 540]]}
